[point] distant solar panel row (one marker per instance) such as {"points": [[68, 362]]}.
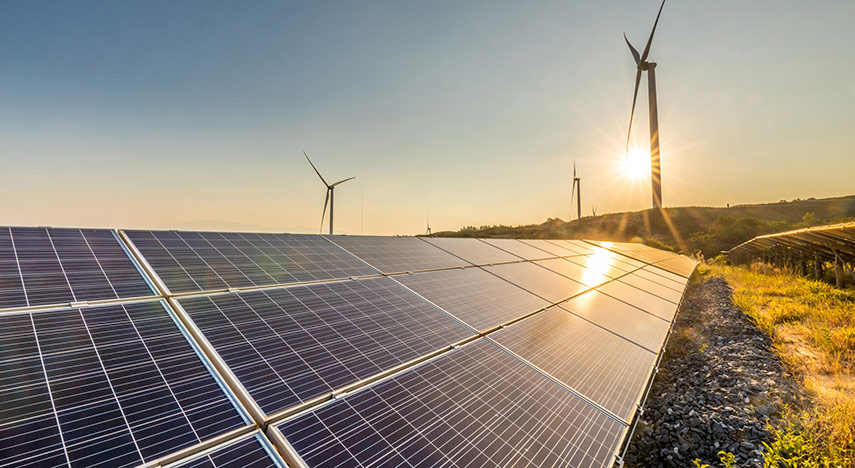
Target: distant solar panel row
{"points": [[50, 266]]}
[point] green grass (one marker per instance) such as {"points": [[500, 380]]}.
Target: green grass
{"points": [[813, 327]]}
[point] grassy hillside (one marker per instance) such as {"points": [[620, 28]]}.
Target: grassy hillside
{"points": [[685, 229]]}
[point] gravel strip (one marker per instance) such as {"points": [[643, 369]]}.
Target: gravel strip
{"points": [[718, 383]]}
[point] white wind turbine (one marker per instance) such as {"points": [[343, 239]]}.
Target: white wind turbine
{"points": [[330, 193], [649, 67]]}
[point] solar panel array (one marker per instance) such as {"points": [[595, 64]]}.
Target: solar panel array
{"points": [[207, 349]]}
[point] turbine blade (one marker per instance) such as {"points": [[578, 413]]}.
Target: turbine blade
{"points": [[632, 49], [632, 112], [574, 170], [316, 169], [342, 181], [324, 213], [650, 40]]}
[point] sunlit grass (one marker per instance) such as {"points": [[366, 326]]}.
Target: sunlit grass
{"points": [[813, 327]]}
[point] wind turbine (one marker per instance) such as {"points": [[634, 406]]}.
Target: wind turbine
{"points": [[649, 67], [428, 231], [577, 192], [330, 193]]}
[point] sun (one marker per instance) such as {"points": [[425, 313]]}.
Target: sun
{"points": [[636, 165]]}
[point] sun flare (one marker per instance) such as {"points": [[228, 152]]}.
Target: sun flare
{"points": [[636, 165]]}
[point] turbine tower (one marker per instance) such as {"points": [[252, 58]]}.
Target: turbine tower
{"points": [[577, 192], [330, 193], [649, 67]]}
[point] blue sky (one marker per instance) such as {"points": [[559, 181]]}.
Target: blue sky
{"points": [[195, 114]]}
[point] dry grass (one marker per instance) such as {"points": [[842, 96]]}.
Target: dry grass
{"points": [[813, 327]]}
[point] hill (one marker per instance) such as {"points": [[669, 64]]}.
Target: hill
{"points": [[690, 230]]}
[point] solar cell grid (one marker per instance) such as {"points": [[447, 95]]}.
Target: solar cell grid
{"points": [[104, 386], [666, 274], [398, 254], [638, 251], [550, 247], [472, 250], [247, 453], [52, 266], [475, 406], [651, 274], [289, 345], [590, 277], [519, 248], [538, 280], [680, 265], [479, 299], [641, 299], [619, 317], [201, 261], [561, 344], [652, 287], [575, 244], [606, 263]]}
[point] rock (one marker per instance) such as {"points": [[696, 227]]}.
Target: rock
{"points": [[700, 403]]}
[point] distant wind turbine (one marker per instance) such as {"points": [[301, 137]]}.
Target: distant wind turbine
{"points": [[577, 192], [428, 231], [649, 67], [330, 193]]}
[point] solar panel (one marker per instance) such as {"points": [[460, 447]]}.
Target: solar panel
{"points": [[652, 287], [289, 345], [52, 266], [590, 277], [666, 274], [550, 247], [477, 298], [472, 250], [641, 299], [680, 265], [604, 262], [637, 251], [104, 386], [654, 274], [619, 317], [252, 452], [398, 254], [475, 406], [518, 248], [538, 280], [204, 261], [575, 245], [561, 344]]}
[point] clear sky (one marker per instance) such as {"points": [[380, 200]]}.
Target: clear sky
{"points": [[194, 114]]}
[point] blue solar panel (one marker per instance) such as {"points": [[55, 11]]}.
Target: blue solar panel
{"points": [[398, 254], [50, 266], [477, 298], [251, 452], [104, 386], [288, 345], [475, 406], [203, 261], [598, 364]]}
